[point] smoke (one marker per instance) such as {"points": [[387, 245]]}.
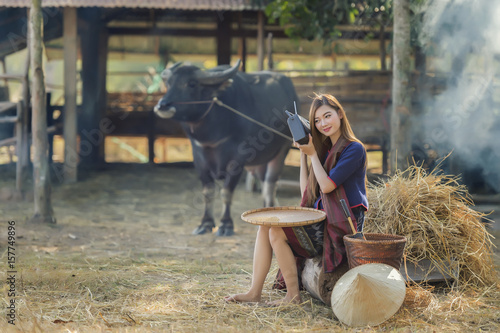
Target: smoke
{"points": [[462, 41]]}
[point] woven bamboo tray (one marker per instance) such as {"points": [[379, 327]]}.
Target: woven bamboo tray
{"points": [[287, 216]]}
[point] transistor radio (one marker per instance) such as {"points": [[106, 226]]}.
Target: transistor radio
{"points": [[299, 126]]}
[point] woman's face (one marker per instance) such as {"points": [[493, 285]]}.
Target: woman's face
{"points": [[327, 122]]}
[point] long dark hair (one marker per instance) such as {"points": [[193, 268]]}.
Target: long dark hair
{"points": [[322, 143]]}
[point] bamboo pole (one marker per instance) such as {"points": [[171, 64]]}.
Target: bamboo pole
{"points": [[41, 176]]}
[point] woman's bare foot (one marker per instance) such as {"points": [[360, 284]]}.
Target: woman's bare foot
{"points": [[242, 298], [285, 301]]}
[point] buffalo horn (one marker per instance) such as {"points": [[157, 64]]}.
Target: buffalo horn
{"points": [[212, 78], [168, 72]]}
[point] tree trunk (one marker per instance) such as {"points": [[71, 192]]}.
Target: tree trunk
{"points": [[401, 94], [41, 174]]}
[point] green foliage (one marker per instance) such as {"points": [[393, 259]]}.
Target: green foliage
{"points": [[318, 19], [311, 19], [373, 13]]}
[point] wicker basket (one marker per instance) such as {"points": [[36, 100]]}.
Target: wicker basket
{"points": [[377, 248]]}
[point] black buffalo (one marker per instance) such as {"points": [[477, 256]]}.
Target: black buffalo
{"points": [[224, 143]]}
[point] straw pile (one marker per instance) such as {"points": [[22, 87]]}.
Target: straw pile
{"points": [[433, 212]]}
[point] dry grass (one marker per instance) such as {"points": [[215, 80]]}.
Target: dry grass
{"points": [[123, 294], [135, 295], [434, 213], [134, 267]]}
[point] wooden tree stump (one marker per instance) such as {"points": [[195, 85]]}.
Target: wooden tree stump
{"points": [[318, 283]]}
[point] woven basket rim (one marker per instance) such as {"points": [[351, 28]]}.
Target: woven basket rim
{"points": [[319, 216], [391, 238]]}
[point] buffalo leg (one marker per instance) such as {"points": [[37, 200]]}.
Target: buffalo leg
{"points": [[273, 171], [227, 228], [254, 174], [207, 222]]}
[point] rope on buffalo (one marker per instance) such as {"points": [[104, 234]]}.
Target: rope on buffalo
{"points": [[220, 103]]}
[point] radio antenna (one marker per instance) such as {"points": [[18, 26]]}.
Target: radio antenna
{"points": [[295, 106]]}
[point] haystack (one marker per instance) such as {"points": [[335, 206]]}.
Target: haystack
{"points": [[433, 211]]}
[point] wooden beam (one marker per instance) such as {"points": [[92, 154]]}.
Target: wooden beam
{"points": [[11, 119], [248, 32], [181, 32], [70, 129]]}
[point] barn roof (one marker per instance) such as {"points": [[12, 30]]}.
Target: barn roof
{"points": [[234, 5]]}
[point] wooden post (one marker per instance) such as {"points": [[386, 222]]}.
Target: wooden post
{"points": [[270, 64], [102, 91], [26, 147], [224, 38], [41, 175], [383, 53], [151, 136], [242, 48], [70, 129], [19, 148], [260, 41], [401, 94], [94, 55]]}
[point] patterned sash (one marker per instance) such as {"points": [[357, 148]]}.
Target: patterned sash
{"points": [[336, 225]]}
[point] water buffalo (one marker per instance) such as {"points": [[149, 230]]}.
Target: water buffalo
{"points": [[224, 143]]}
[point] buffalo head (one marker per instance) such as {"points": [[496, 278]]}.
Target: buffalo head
{"points": [[188, 84]]}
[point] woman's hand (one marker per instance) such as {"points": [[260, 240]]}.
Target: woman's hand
{"points": [[307, 148]]}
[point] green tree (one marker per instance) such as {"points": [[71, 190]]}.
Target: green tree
{"points": [[311, 19]]}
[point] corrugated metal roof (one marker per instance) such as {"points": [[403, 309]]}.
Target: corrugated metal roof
{"points": [[159, 4]]}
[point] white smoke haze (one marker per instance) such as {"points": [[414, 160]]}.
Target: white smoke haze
{"points": [[465, 117]]}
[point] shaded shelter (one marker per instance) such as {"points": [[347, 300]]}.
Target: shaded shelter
{"points": [[91, 23]]}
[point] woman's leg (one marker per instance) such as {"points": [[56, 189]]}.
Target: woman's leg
{"points": [[287, 264], [262, 257]]}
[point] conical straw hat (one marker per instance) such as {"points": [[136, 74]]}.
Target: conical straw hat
{"points": [[368, 295]]}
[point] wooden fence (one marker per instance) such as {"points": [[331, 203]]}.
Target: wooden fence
{"points": [[17, 122]]}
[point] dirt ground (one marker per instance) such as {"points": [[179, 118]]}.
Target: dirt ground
{"points": [[135, 216]]}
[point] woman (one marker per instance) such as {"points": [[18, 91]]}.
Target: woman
{"points": [[338, 171]]}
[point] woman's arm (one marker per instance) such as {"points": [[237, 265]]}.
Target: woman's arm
{"points": [[304, 172], [325, 184]]}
